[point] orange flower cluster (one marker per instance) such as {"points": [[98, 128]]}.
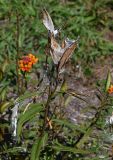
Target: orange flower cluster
{"points": [[26, 63], [110, 89]]}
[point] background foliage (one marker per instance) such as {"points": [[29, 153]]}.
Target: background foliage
{"points": [[92, 20]]}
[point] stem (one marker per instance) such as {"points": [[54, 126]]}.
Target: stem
{"points": [[17, 47], [47, 107], [47, 52], [82, 138], [25, 78]]}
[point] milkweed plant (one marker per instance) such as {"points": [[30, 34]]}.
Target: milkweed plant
{"points": [[39, 127]]}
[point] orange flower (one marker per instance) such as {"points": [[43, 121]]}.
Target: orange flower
{"points": [[26, 63], [32, 58], [110, 89]]}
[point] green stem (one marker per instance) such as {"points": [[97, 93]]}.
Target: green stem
{"points": [[17, 47], [47, 107], [25, 80]]}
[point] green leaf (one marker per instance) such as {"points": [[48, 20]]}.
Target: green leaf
{"points": [[63, 87], [38, 145], [25, 96], [69, 125], [14, 150], [28, 115], [21, 38], [108, 81], [67, 101], [4, 66], [3, 93], [60, 147], [4, 106], [77, 95], [31, 10], [84, 138]]}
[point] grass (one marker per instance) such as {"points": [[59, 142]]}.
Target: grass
{"points": [[43, 130]]}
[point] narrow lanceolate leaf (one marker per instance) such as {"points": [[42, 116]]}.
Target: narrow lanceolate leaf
{"points": [[74, 94], [84, 138], [28, 115], [38, 146], [69, 125], [14, 150], [108, 81], [5, 105], [60, 147], [25, 96]]}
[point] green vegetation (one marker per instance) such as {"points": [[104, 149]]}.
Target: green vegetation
{"points": [[33, 105]]}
